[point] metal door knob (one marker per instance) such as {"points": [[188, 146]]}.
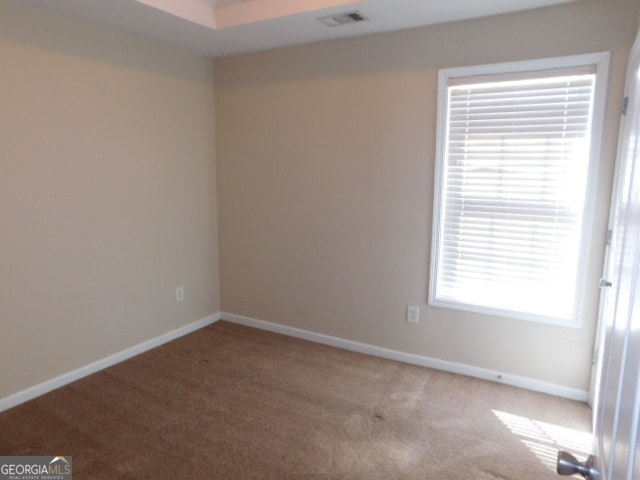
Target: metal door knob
{"points": [[570, 465]]}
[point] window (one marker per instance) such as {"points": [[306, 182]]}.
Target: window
{"points": [[515, 160]]}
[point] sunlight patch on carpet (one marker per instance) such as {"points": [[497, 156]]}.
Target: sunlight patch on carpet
{"points": [[545, 439]]}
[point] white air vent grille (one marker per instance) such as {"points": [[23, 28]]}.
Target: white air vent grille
{"points": [[343, 18]]}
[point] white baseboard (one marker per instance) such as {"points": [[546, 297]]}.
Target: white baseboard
{"points": [[444, 365], [69, 377], [459, 368]]}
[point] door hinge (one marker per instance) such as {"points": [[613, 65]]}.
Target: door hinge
{"points": [[604, 283], [625, 105], [609, 237]]}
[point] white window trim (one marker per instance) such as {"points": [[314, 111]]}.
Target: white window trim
{"points": [[601, 63]]}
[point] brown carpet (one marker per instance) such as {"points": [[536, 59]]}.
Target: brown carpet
{"points": [[231, 402]]}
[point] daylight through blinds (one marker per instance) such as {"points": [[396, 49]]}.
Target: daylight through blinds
{"points": [[515, 175]]}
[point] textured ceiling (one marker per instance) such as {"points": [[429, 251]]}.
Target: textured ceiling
{"points": [[222, 3], [250, 25]]}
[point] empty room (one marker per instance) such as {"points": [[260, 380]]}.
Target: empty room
{"points": [[323, 239]]}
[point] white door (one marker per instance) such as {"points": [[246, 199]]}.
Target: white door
{"points": [[617, 388]]}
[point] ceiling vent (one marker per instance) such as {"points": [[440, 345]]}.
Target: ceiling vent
{"points": [[343, 18]]}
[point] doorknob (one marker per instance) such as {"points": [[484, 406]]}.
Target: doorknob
{"points": [[605, 283], [570, 465]]}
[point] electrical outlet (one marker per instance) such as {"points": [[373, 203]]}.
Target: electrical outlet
{"points": [[413, 314], [179, 294]]}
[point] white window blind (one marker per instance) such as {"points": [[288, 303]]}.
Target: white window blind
{"points": [[514, 172]]}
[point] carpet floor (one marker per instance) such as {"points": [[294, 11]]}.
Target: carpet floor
{"points": [[231, 402]]}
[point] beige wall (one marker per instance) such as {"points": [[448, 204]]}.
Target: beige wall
{"points": [[325, 167], [107, 193], [325, 170]]}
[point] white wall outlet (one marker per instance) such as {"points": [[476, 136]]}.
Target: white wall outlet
{"points": [[179, 294], [413, 314]]}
